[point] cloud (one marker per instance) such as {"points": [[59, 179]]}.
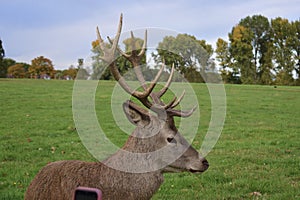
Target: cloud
{"points": [[63, 30]]}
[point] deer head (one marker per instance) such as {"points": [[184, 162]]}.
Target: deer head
{"points": [[153, 131]]}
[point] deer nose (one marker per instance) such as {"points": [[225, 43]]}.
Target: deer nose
{"points": [[205, 164]]}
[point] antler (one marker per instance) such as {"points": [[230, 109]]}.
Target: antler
{"points": [[135, 58]]}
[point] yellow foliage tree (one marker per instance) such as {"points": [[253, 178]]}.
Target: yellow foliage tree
{"points": [[41, 67], [17, 71]]}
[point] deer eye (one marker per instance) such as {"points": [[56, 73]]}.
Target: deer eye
{"points": [[171, 140]]}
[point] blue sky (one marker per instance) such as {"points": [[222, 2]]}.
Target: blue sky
{"points": [[63, 30]]}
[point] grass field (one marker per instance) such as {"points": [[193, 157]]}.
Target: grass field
{"points": [[256, 157]]}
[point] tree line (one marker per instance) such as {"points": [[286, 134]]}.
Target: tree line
{"points": [[261, 51], [40, 68], [257, 51]]}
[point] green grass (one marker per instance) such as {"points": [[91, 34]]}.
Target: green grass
{"points": [[256, 157]]}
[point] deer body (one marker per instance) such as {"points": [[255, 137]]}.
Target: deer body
{"points": [[58, 180], [136, 170]]}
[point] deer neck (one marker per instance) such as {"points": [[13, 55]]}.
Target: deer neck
{"points": [[141, 142], [137, 154]]}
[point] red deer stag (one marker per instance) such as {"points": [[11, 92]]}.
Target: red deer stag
{"points": [[140, 159]]}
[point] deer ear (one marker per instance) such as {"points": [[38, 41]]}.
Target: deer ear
{"points": [[136, 115]]}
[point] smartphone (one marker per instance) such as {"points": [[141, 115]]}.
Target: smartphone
{"points": [[85, 193]]}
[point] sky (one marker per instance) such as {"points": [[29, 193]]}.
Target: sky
{"points": [[62, 30]]}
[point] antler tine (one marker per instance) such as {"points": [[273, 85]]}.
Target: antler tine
{"points": [[137, 68], [116, 40], [153, 83], [109, 53], [133, 45], [101, 41], [178, 100], [144, 44], [180, 113], [142, 96], [132, 58], [172, 104], [119, 49], [99, 35], [175, 101], [167, 85], [108, 57]]}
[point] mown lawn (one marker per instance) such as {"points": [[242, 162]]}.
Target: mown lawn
{"points": [[256, 157]]}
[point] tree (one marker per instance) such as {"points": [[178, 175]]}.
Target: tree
{"points": [[188, 55], [265, 74], [18, 70], [261, 51], [229, 73], [58, 74], [6, 63], [223, 54], [2, 52], [296, 48], [41, 67], [70, 73], [283, 35], [3, 67], [241, 51], [261, 46]]}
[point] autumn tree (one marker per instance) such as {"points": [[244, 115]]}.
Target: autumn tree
{"points": [[18, 70], [261, 42], [283, 41], [260, 51], [241, 51], [41, 66], [70, 73]]}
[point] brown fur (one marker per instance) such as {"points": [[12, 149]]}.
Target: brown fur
{"points": [[58, 180]]}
